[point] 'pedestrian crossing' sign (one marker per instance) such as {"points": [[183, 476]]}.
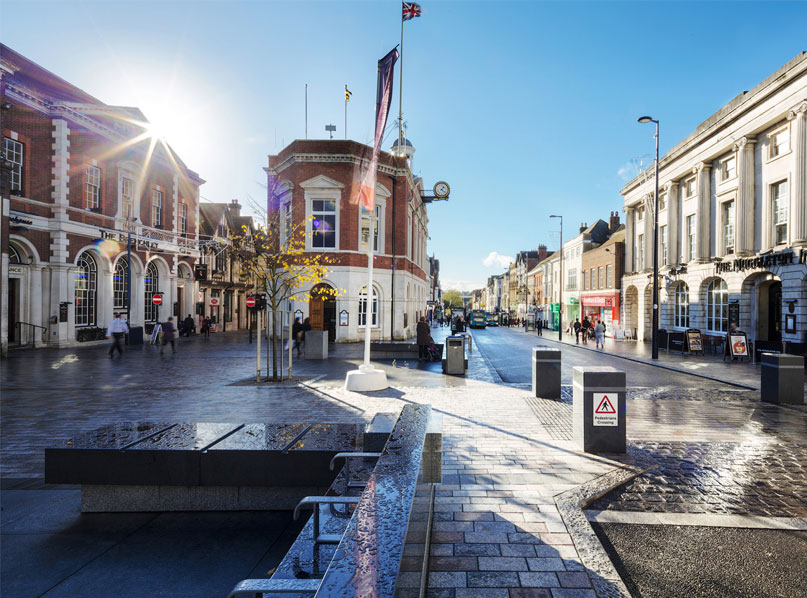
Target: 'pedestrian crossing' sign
{"points": [[605, 413]]}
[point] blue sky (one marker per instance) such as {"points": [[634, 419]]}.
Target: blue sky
{"points": [[525, 108]]}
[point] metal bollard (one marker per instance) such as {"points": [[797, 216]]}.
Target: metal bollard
{"points": [[546, 372], [782, 379], [470, 342], [598, 409]]}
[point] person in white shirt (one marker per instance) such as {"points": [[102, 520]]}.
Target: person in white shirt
{"points": [[117, 328]]}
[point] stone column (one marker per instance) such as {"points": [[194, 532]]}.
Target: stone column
{"points": [[744, 206], [799, 193], [35, 302], [704, 172], [647, 250], [629, 240], [673, 210]]}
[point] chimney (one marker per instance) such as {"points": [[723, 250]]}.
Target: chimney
{"points": [[613, 222], [235, 208], [541, 252], [583, 226]]}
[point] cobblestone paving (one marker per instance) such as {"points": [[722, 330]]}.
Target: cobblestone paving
{"points": [[555, 415]]}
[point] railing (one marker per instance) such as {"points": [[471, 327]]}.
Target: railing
{"points": [[27, 335]]}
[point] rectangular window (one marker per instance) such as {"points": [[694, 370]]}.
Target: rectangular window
{"points": [[640, 254], [156, 208], [663, 238], [365, 228], [14, 153], [779, 212], [662, 201], [609, 276], [728, 168], [691, 237], [779, 143], [728, 227], [600, 277], [571, 282], [363, 310], [323, 224], [285, 223], [92, 191], [585, 279], [220, 264], [640, 213], [689, 187], [127, 196], [183, 218]]}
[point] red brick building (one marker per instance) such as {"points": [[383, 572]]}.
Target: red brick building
{"points": [[319, 179], [78, 173], [601, 287]]}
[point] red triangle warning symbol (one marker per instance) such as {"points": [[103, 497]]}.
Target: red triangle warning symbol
{"points": [[605, 406]]}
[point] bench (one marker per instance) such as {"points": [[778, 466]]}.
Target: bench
{"points": [[148, 466], [339, 552]]}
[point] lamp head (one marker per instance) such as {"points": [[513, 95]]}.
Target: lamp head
{"points": [[646, 119], [555, 216]]}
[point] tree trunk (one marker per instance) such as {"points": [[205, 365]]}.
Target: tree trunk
{"points": [[274, 345]]}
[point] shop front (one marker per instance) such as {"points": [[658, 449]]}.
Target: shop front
{"points": [[603, 307]]}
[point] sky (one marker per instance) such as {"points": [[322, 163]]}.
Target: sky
{"points": [[525, 108]]}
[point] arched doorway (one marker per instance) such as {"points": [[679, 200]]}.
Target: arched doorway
{"points": [[322, 309], [769, 310], [631, 311]]}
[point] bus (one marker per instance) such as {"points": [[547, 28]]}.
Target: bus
{"points": [[478, 319], [492, 318]]}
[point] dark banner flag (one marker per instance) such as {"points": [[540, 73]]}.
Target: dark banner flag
{"points": [[386, 67]]}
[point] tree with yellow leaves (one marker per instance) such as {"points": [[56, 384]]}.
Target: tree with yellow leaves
{"points": [[276, 260]]}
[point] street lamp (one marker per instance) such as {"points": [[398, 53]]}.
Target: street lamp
{"points": [[654, 349], [560, 286]]}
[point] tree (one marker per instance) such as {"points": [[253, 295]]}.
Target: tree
{"points": [[276, 260], [452, 298]]}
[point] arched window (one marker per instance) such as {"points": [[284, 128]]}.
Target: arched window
{"points": [[119, 284], [717, 306], [13, 255], [85, 289], [363, 309], [152, 285], [681, 303]]}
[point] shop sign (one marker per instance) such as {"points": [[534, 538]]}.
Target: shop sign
{"points": [[554, 307], [598, 300], [18, 221], [738, 344], [780, 258]]}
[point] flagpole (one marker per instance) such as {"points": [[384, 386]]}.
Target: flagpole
{"points": [[306, 110], [400, 93], [345, 110]]}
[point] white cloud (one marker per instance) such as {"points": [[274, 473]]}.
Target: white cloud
{"points": [[627, 172], [464, 286], [495, 259]]}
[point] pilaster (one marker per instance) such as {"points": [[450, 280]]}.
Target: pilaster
{"points": [[673, 211], [744, 208], [60, 169], [799, 192], [629, 239], [704, 215], [647, 250]]}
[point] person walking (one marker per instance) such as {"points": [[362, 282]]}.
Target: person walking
{"points": [[584, 326], [423, 340], [539, 326], [117, 328], [599, 333], [206, 322], [305, 328], [169, 336], [188, 326], [297, 334], [577, 326]]}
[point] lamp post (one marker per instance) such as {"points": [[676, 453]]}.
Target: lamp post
{"points": [[560, 285], [654, 349], [129, 222]]}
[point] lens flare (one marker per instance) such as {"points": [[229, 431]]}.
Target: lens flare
{"points": [[107, 248]]}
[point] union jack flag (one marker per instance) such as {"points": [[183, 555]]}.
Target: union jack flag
{"points": [[410, 10]]}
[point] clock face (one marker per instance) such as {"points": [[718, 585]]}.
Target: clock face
{"points": [[441, 189]]}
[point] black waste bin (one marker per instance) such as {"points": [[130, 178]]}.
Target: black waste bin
{"points": [[135, 336]]}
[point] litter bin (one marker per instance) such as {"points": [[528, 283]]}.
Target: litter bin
{"points": [[135, 336], [546, 372], [782, 379], [454, 364]]}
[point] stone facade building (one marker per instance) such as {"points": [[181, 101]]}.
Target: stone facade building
{"points": [[318, 181], [732, 220], [81, 176]]}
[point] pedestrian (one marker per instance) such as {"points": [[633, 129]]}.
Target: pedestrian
{"points": [[297, 334], [584, 326], [423, 340], [169, 336], [188, 325], [117, 328], [599, 332], [577, 327], [539, 326]]}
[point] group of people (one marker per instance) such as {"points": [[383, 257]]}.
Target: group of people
{"points": [[589, 329], [118, 328]]}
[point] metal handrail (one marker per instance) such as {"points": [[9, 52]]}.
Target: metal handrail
{"points": [[19, 325]]}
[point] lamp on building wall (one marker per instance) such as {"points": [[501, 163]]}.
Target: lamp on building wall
{"points": [[654, 354]]}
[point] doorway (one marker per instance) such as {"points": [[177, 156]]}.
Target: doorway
{"points": [[322, 310], [13, 310], [775, 311]]}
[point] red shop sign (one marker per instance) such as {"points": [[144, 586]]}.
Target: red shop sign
{"points": [[598, 300]]}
